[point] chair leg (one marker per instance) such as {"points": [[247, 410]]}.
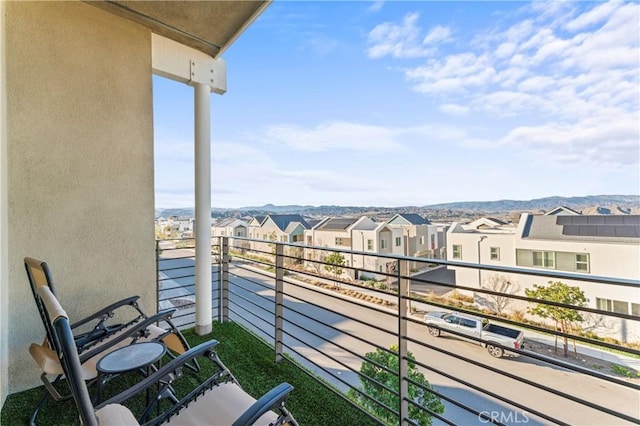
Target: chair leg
{"points": [[43, 400]]}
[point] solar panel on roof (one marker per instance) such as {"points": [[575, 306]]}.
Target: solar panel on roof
{"points": [[570, 230], [627, 231], [631, 220], [597, 220], [606, 231]]}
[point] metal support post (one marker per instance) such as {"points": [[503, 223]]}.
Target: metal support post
{"points": [[279, 300], [403, 364], [223, 276], [203, 207]]}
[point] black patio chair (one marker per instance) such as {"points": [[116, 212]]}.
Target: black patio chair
{"points": [[218, 400], [99, 334]]}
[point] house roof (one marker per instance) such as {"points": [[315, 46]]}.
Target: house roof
{"points": [[282, 221], [562, 210], [408, 219], [207, 26], [583, 228], [337, 223]]}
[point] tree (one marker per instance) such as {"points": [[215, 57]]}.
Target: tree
{"points": [[370, 368], [564, 317], [335, 262], [502, 285]]}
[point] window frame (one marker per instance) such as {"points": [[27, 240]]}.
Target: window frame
{"points": [[494, 255], [456, 251]]}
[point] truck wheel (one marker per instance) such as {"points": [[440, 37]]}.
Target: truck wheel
{"points": [[495, 351], [434, 331]]}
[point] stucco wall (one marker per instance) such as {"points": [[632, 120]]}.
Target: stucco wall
{"points": [[80, 163], [4, 276]]}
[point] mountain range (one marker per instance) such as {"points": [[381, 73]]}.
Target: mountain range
{"points": [[590, 204]]}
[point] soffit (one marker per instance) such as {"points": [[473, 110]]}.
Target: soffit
{"points": [[208, 26]]}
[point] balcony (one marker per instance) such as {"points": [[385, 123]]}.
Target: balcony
{"points": [[316, 316], [285, 312]]}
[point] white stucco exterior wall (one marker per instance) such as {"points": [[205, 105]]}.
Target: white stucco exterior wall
{"points": [[80, 164], [4, 227]]}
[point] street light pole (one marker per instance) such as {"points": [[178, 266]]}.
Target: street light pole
{"points": [[482, 238]]}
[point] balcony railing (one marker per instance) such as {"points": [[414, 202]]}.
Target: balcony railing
{"points": [[307, 304]]}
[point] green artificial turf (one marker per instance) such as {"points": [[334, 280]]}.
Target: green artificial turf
{"points": [[248, 359]]}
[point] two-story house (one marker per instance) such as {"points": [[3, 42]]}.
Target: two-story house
{"points": [[284, 228], [583, 245], [421, 237]]}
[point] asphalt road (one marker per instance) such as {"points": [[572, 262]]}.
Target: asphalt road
{"points": [[353, 329]]}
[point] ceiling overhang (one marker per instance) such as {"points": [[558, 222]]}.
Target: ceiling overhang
{"points": [[208, 26]]}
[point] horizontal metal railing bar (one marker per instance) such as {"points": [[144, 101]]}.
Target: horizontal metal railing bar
{"points": [[265, 287], [166, 259], [258, 283], [533, 327], [430, 411], [357, 355], [340, 394], [510, 269], [360, 375], [371, 289], [529, 354], [530, 299], [175, 278], [450, 400], [518, 378], [346, 300], [262, 273], [492, 394], [375, 345], [344, 382], [342, 314], [251, 302], [239, 315]]}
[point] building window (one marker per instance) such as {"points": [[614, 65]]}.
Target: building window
{"points": [[370, 245], [398, 241], [618, 306], [495, 253], [582, 262], [422, 240], [283, 238], [339, 241], [433, 242], [635, 309], [457, 251], [383, 243], [560, 260]]}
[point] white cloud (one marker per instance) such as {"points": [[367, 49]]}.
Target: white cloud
{"points": [[333, 135], [403, 40], [376, 6], [577, 64], [437, 34], [454, 109]]}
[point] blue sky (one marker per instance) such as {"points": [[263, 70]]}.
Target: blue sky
{"points": [[415, 103]]}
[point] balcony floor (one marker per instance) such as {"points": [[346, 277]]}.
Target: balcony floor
{"points": [[248, 359]]}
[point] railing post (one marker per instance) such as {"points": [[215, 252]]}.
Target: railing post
{"points": [[158, 275], [223, 279], [279, 301], [403, 364]]}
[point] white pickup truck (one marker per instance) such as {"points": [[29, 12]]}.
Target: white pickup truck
{"points": [[489, 335]]}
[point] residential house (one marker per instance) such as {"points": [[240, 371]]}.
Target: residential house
{"points": [[360, 235], [421, 237], [284, 228], [583, 245], [230, 227]]}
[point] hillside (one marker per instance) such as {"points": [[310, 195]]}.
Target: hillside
{"points": [[592, 204]]}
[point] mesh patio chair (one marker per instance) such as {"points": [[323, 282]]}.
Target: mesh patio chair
{"points": [[218, 400], [100, 335]]}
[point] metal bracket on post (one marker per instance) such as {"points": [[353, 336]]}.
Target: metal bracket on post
{"points": [[403, 364], [213, 73], [279, 300], [223, 277]]}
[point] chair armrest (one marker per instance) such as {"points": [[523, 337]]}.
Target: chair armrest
{"points": [[271, 400], [107, 310], [135, 332]]}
